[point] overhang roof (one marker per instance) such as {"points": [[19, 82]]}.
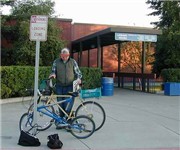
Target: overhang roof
{"points": [[107, 36]]}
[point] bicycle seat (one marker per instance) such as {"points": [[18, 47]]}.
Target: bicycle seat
{"points": [[46, 92]]}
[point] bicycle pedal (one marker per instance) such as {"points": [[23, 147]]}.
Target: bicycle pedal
{"points": [[61, 126], [69, 120], [68, 129]]}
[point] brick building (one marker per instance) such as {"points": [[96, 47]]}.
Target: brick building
{"points": [[74, 31]]}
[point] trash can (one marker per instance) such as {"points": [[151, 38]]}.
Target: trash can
{"points": [[107, 86]]}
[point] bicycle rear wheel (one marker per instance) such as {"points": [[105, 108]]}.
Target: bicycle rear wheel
{"points": [[44, 122], [82, 127], [93, 110]]}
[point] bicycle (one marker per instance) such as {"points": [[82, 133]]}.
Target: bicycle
{"points": [[81, 126], [89, 108]]}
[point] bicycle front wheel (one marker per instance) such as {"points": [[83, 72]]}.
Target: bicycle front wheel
{"points": [[82, 127], [93, 110], [26, 122], [44, 122]]}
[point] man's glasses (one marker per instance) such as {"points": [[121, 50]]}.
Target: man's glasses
{"points": [[64, 55]]}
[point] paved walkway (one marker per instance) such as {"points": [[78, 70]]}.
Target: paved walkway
{"points": [[135, 120]]}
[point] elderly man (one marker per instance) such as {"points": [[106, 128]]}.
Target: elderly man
{"points": [[65, 70]]}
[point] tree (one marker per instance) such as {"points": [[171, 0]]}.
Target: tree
{"points": [[7, 2], [168, 47], [23, 49], [131, 56]]}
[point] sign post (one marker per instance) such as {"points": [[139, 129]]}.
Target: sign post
{"points": [[38, 32]]}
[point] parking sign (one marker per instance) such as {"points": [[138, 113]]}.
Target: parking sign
{"points": [[38, 28]]}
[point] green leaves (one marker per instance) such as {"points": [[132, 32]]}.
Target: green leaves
{"points": [[167, 54], [7, 2], [91, 77], [24, 9], [15, 79], [22, 50], [171, 75], [168, 12]]}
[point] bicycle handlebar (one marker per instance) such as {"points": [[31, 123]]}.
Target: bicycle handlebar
{"points": [[76, 85], [32, 91]]}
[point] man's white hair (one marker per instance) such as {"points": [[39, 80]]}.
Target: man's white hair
{"points": [[65, 51]]}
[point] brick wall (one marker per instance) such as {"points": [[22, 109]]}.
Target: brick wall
{"points": [[81, 29], [75, 31], [66, 26]]}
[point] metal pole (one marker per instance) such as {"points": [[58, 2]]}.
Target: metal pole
{"points": [[80, 56], [98, 52], [119, 62], [143, 57], [102, 57], [36, 85], [88, 58], [143, 65]]}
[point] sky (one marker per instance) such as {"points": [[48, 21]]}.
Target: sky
{"points": [[111, 12]]}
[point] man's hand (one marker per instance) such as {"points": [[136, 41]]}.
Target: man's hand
{"points": [[52, 76], [78, 81]]}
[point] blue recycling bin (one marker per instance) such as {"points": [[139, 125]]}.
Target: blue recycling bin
{"points": [[172, 88], [107, 86]]}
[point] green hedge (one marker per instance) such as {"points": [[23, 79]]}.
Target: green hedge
{"points": [[171, 75], [91, 77], [15, 79]]}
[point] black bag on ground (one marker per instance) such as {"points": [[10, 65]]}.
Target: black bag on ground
{"points": [[54, 142], [26, 139]]}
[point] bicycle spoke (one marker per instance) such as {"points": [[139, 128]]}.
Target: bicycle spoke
{"points": [[94, 111], [82, 127]]}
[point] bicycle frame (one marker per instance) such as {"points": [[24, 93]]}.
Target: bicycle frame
{"points": [[52, 98], [80, 126], [64, 122], [52, 115]]}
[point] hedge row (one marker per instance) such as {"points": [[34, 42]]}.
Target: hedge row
{"points": [[15, 79], [171, 75]]}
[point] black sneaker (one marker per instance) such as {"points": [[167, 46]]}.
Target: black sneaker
{"points": [[68, 129], [59, 127], [69, 121]]}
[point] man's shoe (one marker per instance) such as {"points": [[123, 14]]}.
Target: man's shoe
{"points": [[68, 129], [59, 127], [69, 121]]}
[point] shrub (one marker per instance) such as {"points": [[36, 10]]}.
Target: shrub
{"points": [[15, 79], [171, 75], [91, 77]]}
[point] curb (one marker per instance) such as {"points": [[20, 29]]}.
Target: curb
{"points": [[14, 100], [159, 92]]}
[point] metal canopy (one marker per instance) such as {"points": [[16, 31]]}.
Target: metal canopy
{"points": [[107, 37]]}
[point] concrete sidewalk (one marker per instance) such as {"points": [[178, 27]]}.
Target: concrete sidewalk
{"points": [[135, 121]]}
